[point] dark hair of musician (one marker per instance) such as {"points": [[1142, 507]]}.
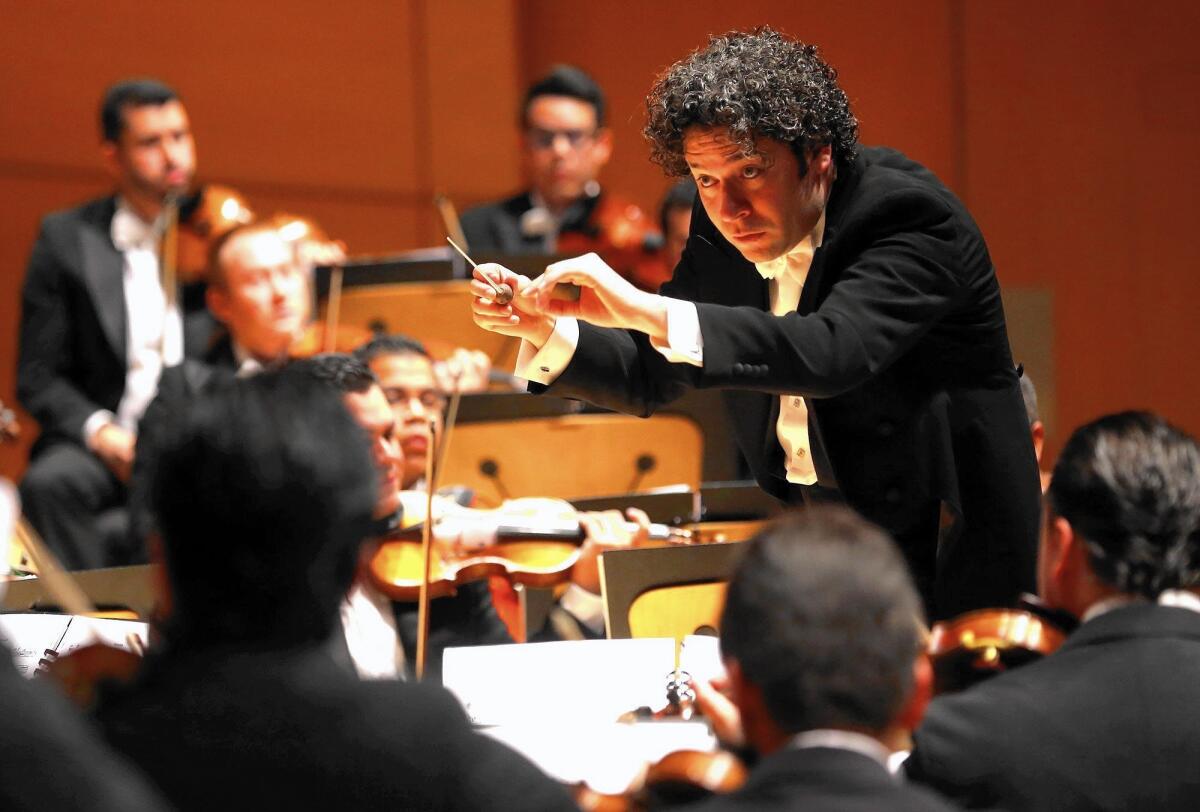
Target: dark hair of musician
{"points": [[681, 195], [264, 490], [1129, 484], [344, 373], [394, 344], [130, 93], [755, 84], [569, 81], [821, 616]]}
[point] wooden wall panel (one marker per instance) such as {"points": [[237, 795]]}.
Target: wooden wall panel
{"points": [[1082, 164], [354, 115], [894, 58]]}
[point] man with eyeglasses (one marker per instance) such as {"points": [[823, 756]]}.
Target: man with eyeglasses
{"points": [[564, 146]]}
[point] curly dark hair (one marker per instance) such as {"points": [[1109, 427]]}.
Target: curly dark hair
{"points": [[1129, 484], [756, 83]]}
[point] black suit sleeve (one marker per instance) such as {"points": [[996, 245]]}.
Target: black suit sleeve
{"points": [[43, 387]]}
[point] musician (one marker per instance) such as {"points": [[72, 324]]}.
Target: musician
{"points": [[820, 641], [564, 145], [407, 374], [259, 292], [96, 327], [842, 297], [264, 496], [1109, 720]]}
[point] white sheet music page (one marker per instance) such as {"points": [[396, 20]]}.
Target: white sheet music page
{"points": [[28, 635], [578, 680]]}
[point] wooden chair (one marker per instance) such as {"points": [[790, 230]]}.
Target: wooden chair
{"points": [[669, 591], [573, 456]]}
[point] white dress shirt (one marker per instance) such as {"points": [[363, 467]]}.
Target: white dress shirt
{"points": [[153, 326], [786, 276]]}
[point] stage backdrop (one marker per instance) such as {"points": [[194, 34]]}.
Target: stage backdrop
{"points": [[1069, 128]]}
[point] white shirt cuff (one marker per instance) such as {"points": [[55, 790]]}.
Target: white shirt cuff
{"points": [[545, 365], [685, 344], [96, 421], [587, 607]]}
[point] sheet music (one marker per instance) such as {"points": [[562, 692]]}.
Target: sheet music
{"points": [[28, 635], [580, 680], [700, 656]]}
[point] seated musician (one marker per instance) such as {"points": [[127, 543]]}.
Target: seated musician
{"points": [[407, 374], [260, 294], [53, 759], [675, 217], [264, 492], [96, 328], [466, 618], [820, 640], [564, 145], [1109, 720]]}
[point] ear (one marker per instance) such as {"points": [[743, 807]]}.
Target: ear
{"points": [[821, 159], [913, 709], [1038, 430], [161, 583], [110, 157], [603, 146], [218, 303]]}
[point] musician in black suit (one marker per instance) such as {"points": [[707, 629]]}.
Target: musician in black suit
{"points": [[97, 328], [264, 492], [842, 297], [564, 145], [820, 640], [1109, 720]]}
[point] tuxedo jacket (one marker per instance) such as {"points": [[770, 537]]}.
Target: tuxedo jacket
{"points": [[1109, 721], [900, 349], [495, 228], [827, 779], [294, 730], [72, 355]]}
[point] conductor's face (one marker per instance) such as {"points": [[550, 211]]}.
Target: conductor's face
{"points": [[760, 203]]}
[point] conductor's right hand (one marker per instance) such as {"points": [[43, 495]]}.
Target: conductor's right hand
{"points": [[508, 319]]}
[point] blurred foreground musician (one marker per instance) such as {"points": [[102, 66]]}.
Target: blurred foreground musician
{"points": [[97, 328], [820, 640], [264, 493], [1109, 720], [841, 295]]}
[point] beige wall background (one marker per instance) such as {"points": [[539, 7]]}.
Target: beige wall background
{"points": [[1070, 129]]}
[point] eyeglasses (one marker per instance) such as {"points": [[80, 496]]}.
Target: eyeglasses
{"points": [[544, 139], [430, 399]]}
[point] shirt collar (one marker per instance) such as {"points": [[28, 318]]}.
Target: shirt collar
{"points": [[799, 255], [130, 232], [1180, 598], [842, 740]]}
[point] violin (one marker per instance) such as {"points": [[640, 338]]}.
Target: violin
{"points": [[205, 216], [313, 341], [475, 544], [624, 237], [980, 644]]}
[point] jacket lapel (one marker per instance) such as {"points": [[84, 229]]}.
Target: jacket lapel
{"points": [[103, 273]]}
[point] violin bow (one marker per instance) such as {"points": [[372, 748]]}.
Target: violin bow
{"points": [[437, 451]]}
